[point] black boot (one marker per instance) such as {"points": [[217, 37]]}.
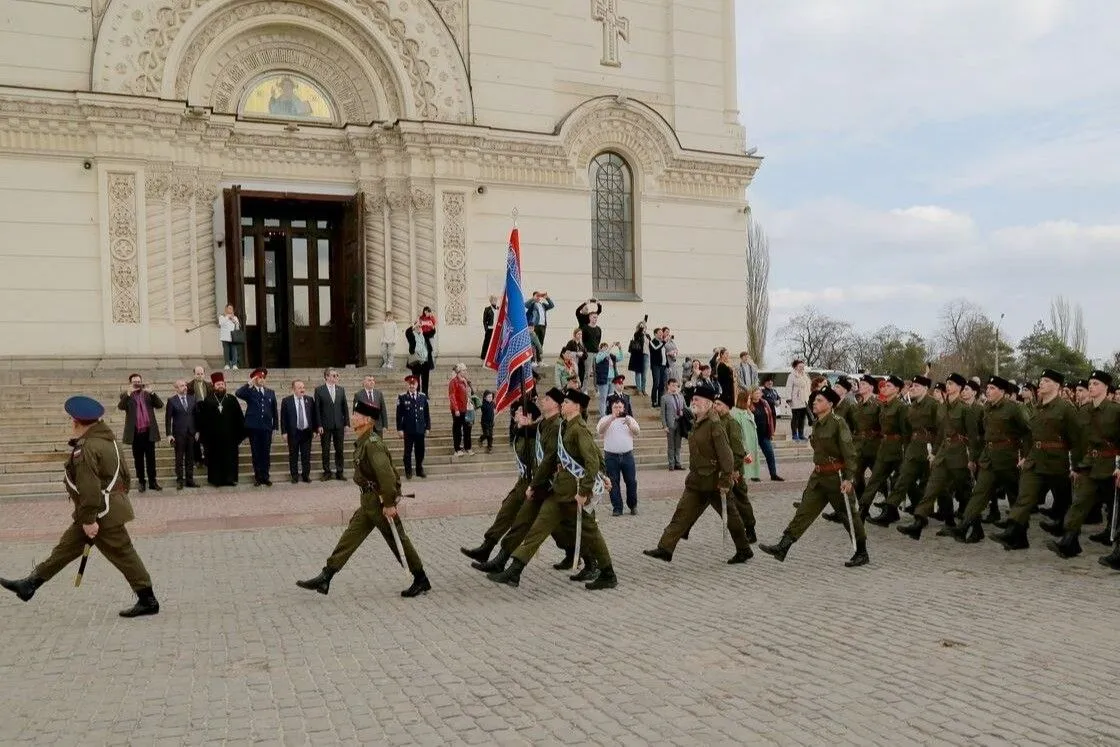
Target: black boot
{"points": [[972, 532], [146, 604], [589, 572], [568, 562], [992, 516], [913, 530], [497, 564], [606, 580], [1095, 515], [741, 556], [860, 557], [480, 553], [1112, 560], [779, 550], [886, 517], [752, 537], [659, 554], [510, 576], [420, 585], [1067, 547], [832, 516], [1103, 537], [321, 583], [24, 588], [1052, 527], [1014, 537]]}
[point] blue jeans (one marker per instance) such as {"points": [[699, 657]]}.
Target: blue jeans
{"points": [[603, 390], [640, 380], [766, 446], [229, 351], [660, 374], [621, 467]]}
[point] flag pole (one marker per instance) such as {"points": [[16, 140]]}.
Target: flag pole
{"points": [[524, 394]]}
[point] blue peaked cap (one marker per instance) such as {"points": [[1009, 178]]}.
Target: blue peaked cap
{"points": [[81, 407]]}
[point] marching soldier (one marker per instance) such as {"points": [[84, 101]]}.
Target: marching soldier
{"points": [[377, 477], [97, 482], [738, 495], [888, 459], [863, 421], [1097, 474], [712, 468], [970, 395], [1045, 464], [580, 461], [920, 430], [525, 438], [958, 437], [834, 460], [1005, 428]]}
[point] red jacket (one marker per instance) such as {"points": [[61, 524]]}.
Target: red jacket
{"points": [[457, 394]]}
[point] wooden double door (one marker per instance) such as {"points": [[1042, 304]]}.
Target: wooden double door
{"points": [[295, 272]]}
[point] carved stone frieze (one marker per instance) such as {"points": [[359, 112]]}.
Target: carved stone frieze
{"points": [[454, 14], [124, 268], [454, 259]]}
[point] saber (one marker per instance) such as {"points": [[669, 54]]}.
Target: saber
{"points": [[579, 535], [848, 509], [929, 452], [89, 547], [723, 507], [1115, 510], [397, 542]]}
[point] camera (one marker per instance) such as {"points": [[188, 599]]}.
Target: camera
{"points": [[87, 164]]}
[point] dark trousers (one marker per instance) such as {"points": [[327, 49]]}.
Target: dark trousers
{"points": [[299, 453], [1033, 488], [184, 456], [766, 446], [797, 422], [486, 342], [199, 457], [144, 455], [328, 435], [362, 523], [659, 374], [113, 542], [413, 444], [621, 467], [260, 446], [460, 432], [539, 330], [487, 436]]}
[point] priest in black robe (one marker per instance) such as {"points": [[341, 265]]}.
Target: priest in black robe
{"points": [[222, 427]]}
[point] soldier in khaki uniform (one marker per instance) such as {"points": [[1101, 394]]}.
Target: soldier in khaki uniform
{"points": [[888, 460], [958, 438], [1053, 445], [380, 484], [1005, 429], [862, 418], [97, 481], [739, 494], [579, 460], [1097, 474], [920, 431], [712, 469], [834, 460]]}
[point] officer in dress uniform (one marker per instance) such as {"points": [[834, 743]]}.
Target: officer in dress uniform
{"points": [[380, 485], [414, 420], [834, 462], [261, 419], [97, 482]]}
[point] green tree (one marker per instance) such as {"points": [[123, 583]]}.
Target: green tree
{"points": [[890, 350], [1044, 348], [967, 342]]}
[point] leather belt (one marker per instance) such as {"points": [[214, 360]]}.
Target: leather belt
{"points": [[828, 468], [957, 439], [997, 444], [892, 436], [1094, 453], [1051, 445]]}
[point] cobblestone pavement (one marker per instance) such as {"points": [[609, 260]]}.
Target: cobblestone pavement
{"points": [[934, 643]]}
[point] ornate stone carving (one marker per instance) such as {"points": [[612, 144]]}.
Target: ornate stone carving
{"points": [[400, 249], [615, 27], [454, 14], [454, 259], [97, 14], [374, 191], [423, 219], [413, 32], [157, 188], [124, 270]]}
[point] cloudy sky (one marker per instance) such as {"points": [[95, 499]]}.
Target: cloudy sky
{"points": [[922, 151]]}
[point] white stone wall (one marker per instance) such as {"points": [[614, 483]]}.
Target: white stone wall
{"points": [[45, 45]]}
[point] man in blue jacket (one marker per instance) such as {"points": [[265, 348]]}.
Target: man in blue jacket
{"points": [[414, 420], [261, 419]]}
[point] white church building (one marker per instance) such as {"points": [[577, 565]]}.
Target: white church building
{"points": [[318, 162]]}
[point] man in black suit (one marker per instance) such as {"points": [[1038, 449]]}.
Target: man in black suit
{"points": [[373, 396], [141, 429], [182, 433], [299, 419], [334, 419], [200, 388], [414, 420]]}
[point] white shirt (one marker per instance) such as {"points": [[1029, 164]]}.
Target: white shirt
{"points": [[619, 435], [226, 326], [389, 332]]}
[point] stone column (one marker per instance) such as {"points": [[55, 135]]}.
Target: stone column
{"points": [[424, 222], [157, 208], [404, 303], [454, 259], [205, 291], [124, 249], [183, 258], [377, 281]]}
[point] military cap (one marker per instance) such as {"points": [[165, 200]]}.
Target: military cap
{"points": [[216, 377], [575, 395], [1001, 383], [845, 382], [831, 395], [618, 379], [974, 385], [705, 392], [410, 379], [957, 379], [556, 395], [81, 407], [1101, 376], [940, 386], [894, 381], [1054, 376], [1028, 386], [923, 381], [365, 408], [529, 408], [1081, 384], [258, 372], [870, 380]]}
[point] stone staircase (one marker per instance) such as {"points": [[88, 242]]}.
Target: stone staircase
{"points": [[34, 429]]}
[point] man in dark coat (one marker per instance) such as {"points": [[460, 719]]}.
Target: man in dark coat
{"points": [[222, 427]]}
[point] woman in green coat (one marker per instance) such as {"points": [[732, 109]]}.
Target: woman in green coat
{"points": [[743, 414]]}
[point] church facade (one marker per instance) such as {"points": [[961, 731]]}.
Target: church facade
{"points": [[316, 163]]}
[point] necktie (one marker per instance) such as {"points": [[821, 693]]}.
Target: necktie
{"points": [[183, 399], [301, 423]]}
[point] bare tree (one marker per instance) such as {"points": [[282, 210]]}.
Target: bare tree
{"points": [[967, 342], [819, 340], [1067, 321], [758, 289]]}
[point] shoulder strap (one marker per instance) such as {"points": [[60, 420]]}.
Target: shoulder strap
{"points": [[109, 488]]}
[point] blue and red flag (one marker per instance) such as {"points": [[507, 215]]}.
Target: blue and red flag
{"points": [[511, 347]]}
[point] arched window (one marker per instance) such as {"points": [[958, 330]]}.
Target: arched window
{"points": [[612, 225], [284, 95]]}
